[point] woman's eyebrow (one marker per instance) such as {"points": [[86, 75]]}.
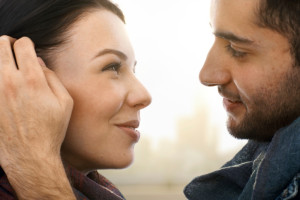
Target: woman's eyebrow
{"points": [[111, 51]]}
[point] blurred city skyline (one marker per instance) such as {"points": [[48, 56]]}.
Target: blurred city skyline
{"points": [[171, 39], [193, 151], [183, 131], [172, 164]]}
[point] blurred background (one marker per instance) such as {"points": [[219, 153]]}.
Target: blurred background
{"points": [[183, 131]]}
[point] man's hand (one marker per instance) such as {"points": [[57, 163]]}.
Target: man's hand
{"points": [[35, 111]]}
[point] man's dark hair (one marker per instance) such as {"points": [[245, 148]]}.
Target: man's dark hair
{"points": [[283, 16], [46, 22]]}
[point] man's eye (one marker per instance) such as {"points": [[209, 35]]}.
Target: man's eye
{"points": [[112, 67], [235, 53]]}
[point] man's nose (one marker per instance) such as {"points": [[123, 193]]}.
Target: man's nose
{"points": [[214, 71]]}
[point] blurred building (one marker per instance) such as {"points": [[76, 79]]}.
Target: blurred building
{"points": [[173, 163]]}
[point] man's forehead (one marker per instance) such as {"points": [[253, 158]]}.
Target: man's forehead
{"points": [[233, 19], [235, 9]]}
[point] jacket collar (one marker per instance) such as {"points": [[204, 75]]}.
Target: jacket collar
{"points": [[259, 171]]}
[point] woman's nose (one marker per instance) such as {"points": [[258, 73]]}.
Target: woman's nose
{"points": [[138, 97]]}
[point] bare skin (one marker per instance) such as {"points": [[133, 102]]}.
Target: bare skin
{"points": [[35, 111], [253, 69]]}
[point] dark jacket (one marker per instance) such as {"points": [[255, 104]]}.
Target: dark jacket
{"points": [[90, 187], [260, 171]]}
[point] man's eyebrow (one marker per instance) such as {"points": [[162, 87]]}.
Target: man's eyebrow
{"points": [[231, 37], [111, 51]]}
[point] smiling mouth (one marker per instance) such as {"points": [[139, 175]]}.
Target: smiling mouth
{"points": [[130, 128], [130, 124], [233, 101], [132, 132], [231, 105], [228, 95]]}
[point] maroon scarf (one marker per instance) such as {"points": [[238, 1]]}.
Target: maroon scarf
{"points": [[90, 187]]}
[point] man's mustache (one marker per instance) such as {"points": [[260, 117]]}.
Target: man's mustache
{"points": [[229, 95]]}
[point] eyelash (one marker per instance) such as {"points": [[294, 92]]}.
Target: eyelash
{"points": [[235, 53], [113, 67]]}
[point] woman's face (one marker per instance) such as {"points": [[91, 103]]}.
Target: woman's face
{"points": [[97, 66]]}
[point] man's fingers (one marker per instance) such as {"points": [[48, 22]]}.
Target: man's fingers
{"points": [[58, 88], [26, 57], [28, 64], [42, 63], [7, 60]]}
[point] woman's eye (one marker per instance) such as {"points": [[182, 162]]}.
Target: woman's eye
{"points": [[235, 53], [112, 67]]}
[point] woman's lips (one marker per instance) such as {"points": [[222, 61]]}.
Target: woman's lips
{"points": [[132, 132], [129, 128]]}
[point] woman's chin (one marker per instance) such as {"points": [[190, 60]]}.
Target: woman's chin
{"points": [[120, 164]]}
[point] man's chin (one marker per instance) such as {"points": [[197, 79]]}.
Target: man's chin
{"points": [[249, 130], [248, 136]]}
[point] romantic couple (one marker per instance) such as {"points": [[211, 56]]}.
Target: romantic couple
{"points": [[70, 99]]}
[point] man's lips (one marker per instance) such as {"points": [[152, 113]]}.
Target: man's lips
{"points": [[231, 101], [230, 105]]}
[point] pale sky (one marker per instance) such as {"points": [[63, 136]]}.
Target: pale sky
{"points": [[171, 39]]}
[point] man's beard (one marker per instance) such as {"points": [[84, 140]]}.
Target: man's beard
{"points": [[271, 109]]}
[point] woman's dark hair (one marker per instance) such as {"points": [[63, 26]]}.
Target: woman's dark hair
{"points": [[283, 16], [46, 22]]}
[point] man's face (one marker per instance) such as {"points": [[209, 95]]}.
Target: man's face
{"points": [[253, 69]]}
